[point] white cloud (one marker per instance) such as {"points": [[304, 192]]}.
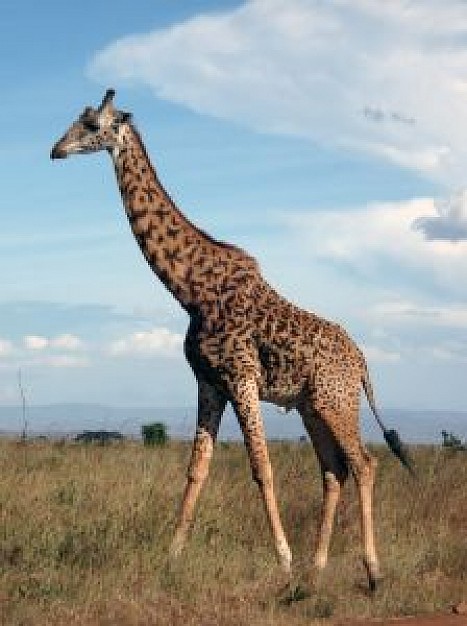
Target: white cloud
{"points": [[380, 243], [450, 222], [146, 343], [65, 342], [450, 351], [384, 77], [39, 351], [381, 355], [6, 347], [400, 312], [35, 342]]}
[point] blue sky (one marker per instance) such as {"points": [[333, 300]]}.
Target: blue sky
{"points": [[328, 139]]}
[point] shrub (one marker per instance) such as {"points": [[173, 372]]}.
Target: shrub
{"points": [[154, 434], [100, 436], [452, 442]]}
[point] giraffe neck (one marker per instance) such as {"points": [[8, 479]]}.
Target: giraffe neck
{"points": [[170, 243]]}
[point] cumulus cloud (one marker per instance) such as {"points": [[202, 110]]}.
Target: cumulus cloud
{"points": [[6, 347], [56, 352], [157, 341], [450, 351], [430, 350], [450, 221], [35, 342], [67, 342], [384, 77], [39, 351], [379, 243], [381, 355], [399, 312], [62, 342]]}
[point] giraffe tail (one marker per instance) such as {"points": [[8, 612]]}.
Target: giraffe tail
{"points": [[391, 436]]}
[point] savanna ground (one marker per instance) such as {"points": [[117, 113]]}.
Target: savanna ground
{"points": [[85, 530]]}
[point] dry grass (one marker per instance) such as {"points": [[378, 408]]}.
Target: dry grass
{"points": [[85, 531]]}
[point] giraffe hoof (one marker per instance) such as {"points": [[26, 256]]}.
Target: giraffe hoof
{"points": [[175, 550], [374, 576], [314, 574], [374, 583], [292, 593]]}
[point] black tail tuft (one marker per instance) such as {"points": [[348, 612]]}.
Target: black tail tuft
{"points": [[391, 436], [399, 449]]}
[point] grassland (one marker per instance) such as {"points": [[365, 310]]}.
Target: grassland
{"points": [[84, 532]]}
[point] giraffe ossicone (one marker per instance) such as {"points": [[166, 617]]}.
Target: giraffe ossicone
{"points": [[245, 343]]}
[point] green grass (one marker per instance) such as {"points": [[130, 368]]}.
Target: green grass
{"points": [[85, 530]]}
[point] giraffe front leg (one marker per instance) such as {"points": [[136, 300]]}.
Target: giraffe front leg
{"points": [[247, 407], [211, 405]]}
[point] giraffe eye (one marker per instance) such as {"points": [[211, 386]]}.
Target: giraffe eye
{"points": [[91, 125]]}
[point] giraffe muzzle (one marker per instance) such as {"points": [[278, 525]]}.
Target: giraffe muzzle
{"points": [[57, 152]]}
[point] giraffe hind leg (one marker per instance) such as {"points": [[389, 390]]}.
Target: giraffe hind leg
{"points": [[334, 472], [363, 467], [343, 424]]}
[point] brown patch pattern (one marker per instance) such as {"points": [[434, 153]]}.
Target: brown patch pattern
{"points": [[245, 343]]}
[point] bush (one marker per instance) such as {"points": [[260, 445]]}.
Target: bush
{"points": [[100, 436], [154, 434], [452, 442]]}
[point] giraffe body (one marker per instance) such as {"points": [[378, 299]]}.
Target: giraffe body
{"points": [[245, 343]]}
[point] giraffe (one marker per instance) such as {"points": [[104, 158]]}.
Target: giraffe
{"points": [[245, 344]]}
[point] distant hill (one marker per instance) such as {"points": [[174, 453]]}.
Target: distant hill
{"points": [[69, 419]]}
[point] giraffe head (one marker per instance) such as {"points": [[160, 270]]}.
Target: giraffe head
{"points": [[94, 130]]}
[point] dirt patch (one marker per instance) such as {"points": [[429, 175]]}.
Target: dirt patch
{"points": [[426, 620]]}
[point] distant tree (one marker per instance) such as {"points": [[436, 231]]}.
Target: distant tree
{"points": [[100, 436], [154, 434], [452, 442]]}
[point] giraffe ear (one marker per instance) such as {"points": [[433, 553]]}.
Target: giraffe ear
{"points": [[107, 99]]}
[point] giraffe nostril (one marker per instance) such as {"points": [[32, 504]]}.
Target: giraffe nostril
{"points": [[57, 153]]}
